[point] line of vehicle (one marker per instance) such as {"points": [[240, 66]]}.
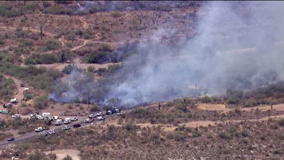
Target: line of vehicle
{"points": [[32, 135]]}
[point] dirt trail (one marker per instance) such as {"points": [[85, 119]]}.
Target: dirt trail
{"points": [[84, 43], [85, 25], [20, 90], [222, 107], [60, 66], [62, 42], [213, 107], [194, 124]]}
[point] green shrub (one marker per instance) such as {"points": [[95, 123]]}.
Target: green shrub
{"points": [[7, 88], [94, 108], [41, 59], [281, 122], [91, 69], [225, 135], [46, 4], [68, 69], [250, 103], [67, 158], [51, 44], [130, 126], [40, 102], [25, 43], [116, 14], [205, 99]]}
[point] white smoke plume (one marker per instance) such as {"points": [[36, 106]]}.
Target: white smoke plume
{"points": [[238, 45]]}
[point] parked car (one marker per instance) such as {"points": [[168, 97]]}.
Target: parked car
{"points": [[99, 114], [92, 116], [76, 125], [44, 133], [108, 112], [58, 122], [120, 113], [66, 128], [10, 138], [100, 118], [16, 115], [7, 105], [67, 120], [74, 119], [51, 131], [39, 129], [88, 120], [14, 100]]}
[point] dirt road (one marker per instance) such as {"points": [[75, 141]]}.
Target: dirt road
{"points": [[60, 66], [19, 95], [221, 107]]}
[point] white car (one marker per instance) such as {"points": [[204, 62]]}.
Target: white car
{"points": [[91, 116], [74, 119], [43, 133], [51, 131], [16, 115], [66, 127], [55, 117], [100, 118], [89, 120], [40, 117], [99, 113], [67, 121], [120, 113], [38, 129]]}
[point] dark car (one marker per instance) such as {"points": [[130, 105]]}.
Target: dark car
{"points": [[10, 138], [76, 125], [112, 111]]}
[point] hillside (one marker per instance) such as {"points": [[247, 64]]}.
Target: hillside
{"points": [[141, 80]]}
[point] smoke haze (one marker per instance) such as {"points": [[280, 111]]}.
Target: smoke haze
{"points": [[238, 45]]}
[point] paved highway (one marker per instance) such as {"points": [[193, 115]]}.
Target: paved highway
{"points": [[57, 129]]}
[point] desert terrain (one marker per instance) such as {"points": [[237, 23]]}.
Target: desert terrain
{"points": [[120, 71]]}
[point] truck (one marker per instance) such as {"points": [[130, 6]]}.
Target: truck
{"points": [[46, 115]]}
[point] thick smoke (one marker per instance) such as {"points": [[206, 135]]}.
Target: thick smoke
{"points": [[237, 46]]}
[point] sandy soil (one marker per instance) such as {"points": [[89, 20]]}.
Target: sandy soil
{"points": [[60, 109], [213, 107], [63, 153]]}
